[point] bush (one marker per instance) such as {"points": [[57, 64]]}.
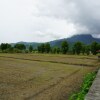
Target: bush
{"points": [[17, 50], [87, 82]]}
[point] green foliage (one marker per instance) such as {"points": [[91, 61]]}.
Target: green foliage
{"points": [[87, 49], [41, 48], [5, 46], [94, 48], [87, 82], [55, 50], [77, 47], [58, 50], [98, 46], [47, 47], [20, 46], [44, 48], [83, 49], [64, 47], [15, 50], [9, 50], [30, 48]]}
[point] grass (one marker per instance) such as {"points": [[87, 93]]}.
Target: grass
{"points": [[42, 77], [69, 59], [87, 82]]}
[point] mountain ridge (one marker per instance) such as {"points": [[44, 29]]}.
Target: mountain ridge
{"points": [[84, 38]]}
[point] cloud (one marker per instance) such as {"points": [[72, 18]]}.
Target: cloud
{"points": [[88, 15], [45, 20], [83, 14]]}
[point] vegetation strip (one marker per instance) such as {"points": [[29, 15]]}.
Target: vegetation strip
{"points": [[87, 82], [63, 48], [50, 61]]}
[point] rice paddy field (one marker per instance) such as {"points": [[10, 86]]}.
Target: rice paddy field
{"points": [[43, 76]]}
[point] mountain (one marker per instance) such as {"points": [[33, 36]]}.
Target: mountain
{"points": [[27, 44], [84, 38]]}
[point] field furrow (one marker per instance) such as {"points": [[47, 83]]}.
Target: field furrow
{"points": [[42, 77]]}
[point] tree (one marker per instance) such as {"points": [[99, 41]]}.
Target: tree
{"points": [[58, 50], [64, 47], [20, 46], [8, 50], [30, 48], [15, 50], [5, 46], [78, 47], [42, 48], [73, 50], [83, 48], [87, 49], [47, 47], [55, 50], [94, 48], [39, 49], [98, 46]]}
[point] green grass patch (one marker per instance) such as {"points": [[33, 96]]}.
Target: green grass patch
{"points": [[87, 82]]}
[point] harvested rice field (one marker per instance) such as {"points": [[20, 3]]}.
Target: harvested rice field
{"points": [[42, 76]]}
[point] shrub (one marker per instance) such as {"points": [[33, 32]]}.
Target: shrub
{"points": [[87, 82]]}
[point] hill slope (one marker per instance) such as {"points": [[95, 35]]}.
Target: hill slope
{"points": [[27, 44], [84, 38]]}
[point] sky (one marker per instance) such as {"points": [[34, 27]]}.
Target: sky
{"points": [[46, 20]]}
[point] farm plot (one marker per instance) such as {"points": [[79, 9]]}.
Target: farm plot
{"points": [[37, 77], [64, 59]]}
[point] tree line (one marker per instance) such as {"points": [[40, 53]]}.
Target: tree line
{"points": [[64, 48], [77, 48], [17, 48]]}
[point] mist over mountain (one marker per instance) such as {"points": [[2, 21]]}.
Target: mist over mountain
{"points": [[84, 38]]}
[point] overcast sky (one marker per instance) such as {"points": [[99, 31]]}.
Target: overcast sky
{"points": [[45, 20]]}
